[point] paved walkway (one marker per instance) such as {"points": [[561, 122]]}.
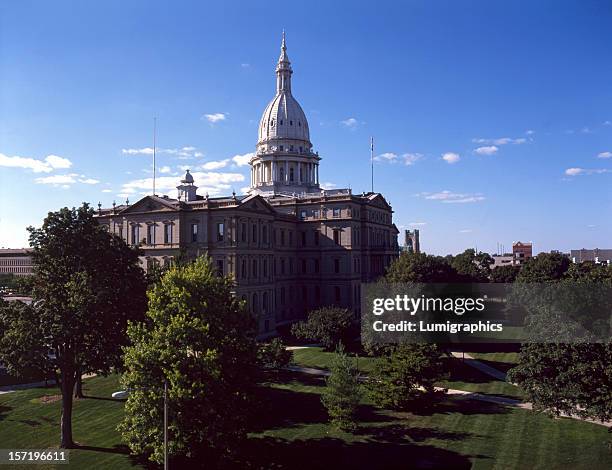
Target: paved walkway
{"points": [[481, 366]]}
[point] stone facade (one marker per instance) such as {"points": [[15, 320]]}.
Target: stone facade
{"points": [[289, 245], [16, 261]]}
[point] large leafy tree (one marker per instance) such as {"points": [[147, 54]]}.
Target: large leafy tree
{"points": [[560, 377], [327, 325], [473, 266], [505, 274], [544, 267], [87, 285], [406, 375], [420, 267], [200, 340]]}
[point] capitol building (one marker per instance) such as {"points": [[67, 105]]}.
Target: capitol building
{"points": [[289, 245]]}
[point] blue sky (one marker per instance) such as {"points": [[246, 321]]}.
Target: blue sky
{"points": [[492, 120]]}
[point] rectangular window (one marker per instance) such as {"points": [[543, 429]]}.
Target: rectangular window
{"points": [[302, 215], [303, 238], [337, 293], [135, 234], [194, 232], [337, 237], [264, 234], [254, 272], [282, 264], [336, 212], [220, 267], [167, 233], [243, 232], [265, 268], [316, 266], [316, 237], [254, 233], [282, 236], [220, 231], [315, 213], [336, 266], [151, 234], [244, 269]]}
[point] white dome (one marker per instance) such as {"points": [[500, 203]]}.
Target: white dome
{"points": [[283, 118]]}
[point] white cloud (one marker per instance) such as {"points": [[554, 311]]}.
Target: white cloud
{"points": [[214, 183], [50, 163], [165, 169], [417, 224], [448, 197], [89, 181], [530, 132], [585, 171], [66, 180], [466, 230], [245, 189], [57, 162], [328, 185], [604, 155], [487, 150], [244, 65], [451, 157], [351, 123], [607, 123], [407, 158], [215, 117], [107, 190], [242, 160], [215, 165], [183, 153], [503, 140]]}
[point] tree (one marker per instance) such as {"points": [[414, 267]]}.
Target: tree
{"points": [[505, 274], [87, 285], [545, 267], [342, 392], [274, 355], [567, 378], [23, 346], [472, 266], [406, 375], [562, 377], [326, 325], [200, 340], [419, 267]]}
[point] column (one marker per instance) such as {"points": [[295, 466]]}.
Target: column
{"points": [[316, 173], [299, 175], [273, 171]]}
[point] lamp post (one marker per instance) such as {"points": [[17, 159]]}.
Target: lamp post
{"points": [[125, 393]]}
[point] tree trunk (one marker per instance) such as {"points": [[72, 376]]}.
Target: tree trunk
{"points": [[78, 390], [67, 387]]}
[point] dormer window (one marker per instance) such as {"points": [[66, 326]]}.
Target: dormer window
{"points": [[281, 147], [300, 149], [291, 148]]}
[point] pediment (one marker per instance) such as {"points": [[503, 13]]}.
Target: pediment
{"points": [[150, 204], [379, 201], [256, 203]]}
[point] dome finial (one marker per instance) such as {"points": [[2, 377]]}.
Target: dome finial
{"points": [[283, 45]]}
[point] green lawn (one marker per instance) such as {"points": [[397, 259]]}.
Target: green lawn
{"points": [[462, 377], [456, 434], [28, 422], [292, 432], [503, 361], [320, 359]]}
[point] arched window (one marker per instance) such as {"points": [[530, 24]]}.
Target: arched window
{"points": [[264, 301], [254, 306], [291, 174]]}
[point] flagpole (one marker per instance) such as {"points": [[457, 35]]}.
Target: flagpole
{"points": [[154, 151], [372, 160]]}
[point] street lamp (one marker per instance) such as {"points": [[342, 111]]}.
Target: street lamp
{"points": [[124, 393]]}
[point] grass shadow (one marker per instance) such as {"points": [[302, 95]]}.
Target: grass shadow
{"points": [[4, 411]]}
